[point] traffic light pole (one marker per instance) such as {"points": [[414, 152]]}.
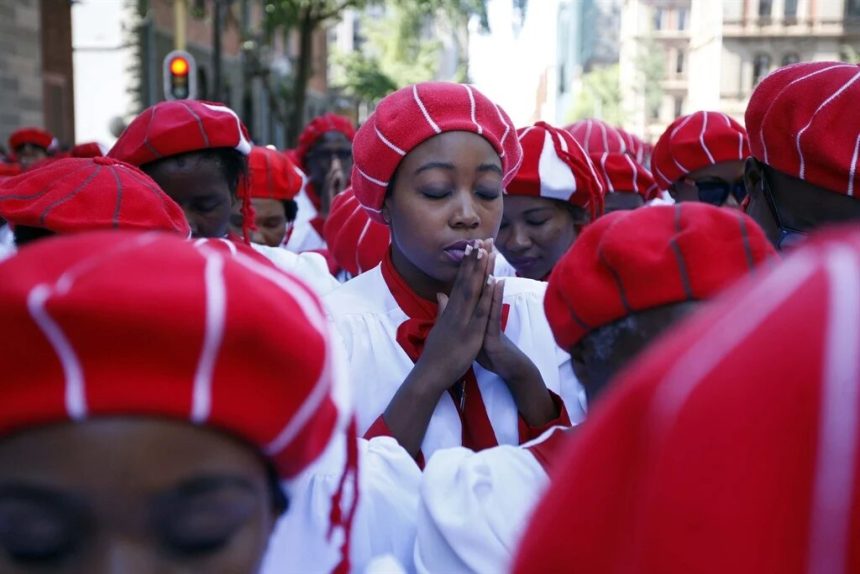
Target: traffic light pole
{"points": [[217, 24], [180, 9]]}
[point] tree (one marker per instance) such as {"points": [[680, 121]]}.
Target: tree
{"points": [[304, 16], [600, 96]]}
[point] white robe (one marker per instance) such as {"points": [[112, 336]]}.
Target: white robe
{"points": [[474, 507], [366, 317], [304, 236], [309, 267]]}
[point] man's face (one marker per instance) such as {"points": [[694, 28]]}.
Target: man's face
{"points": [[329, 164], [787, 208], [28, 154]]}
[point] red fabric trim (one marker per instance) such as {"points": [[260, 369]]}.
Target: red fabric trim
{"points": [[528, 433], [477, 430], [549, 451], [318, 223], [380, 428]]}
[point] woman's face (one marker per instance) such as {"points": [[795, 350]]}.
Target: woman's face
{"points": [[198, 185], [131, 495], [535, 233], [270, 219], [447, 190]]}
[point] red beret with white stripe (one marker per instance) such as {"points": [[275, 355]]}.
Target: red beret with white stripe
{"points": [[30, 135], [802, 121], [622, 173], [596, 136], [555, 166], [271, 175], [638, 148], [696, 141], [148, 324], [730, 447], [182, 126], [629, 261], [412, 115], [357, 242], [72, 195], [317, 128]]}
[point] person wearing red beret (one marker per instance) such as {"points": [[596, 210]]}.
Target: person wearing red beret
{"points": [[324, 154], [271, 185], [629, 277], [170, 455], [445, 355], [731, 446], [30, 145], [805, 141], [700, 157], [197, 153], [554, 194]]}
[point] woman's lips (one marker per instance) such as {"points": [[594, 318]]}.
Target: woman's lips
{"points": [[457, 250]]}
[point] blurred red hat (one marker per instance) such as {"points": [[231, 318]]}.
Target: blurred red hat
{"points": [[730, 447], [182, 126], [30, 135], [271, 175], [83, 194]]}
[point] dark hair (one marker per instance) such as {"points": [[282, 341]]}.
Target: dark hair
{"points": [[234, 165], [291, 209], [280, 500], [25, 234]]}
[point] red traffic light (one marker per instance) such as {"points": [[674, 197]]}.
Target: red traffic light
{"points": [[179, 66]]}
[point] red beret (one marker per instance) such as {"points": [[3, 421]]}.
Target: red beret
{"points": [[88, 149], [72, 195], [696, 141], [636, 147], [596, 136], [29, 135], [229, 343], [410, 116], [8, 170], [318, 127], [357, 242], [555, 166], [621, 172], [801, 120], [730, 447], [271, 175], [181, 126], [629, 261]]}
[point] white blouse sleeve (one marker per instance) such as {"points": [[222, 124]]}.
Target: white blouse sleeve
{"points": [[473, 508]]}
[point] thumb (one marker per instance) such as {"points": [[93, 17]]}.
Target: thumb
{"points": [[442, 302]]}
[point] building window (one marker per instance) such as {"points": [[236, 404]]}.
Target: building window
{"points": [[790, 58], [765, 8], [659, 14], [790, 10], [679, 106], [654, 110], [682, 19], [761, 67], [680, 62], [852, 8]]}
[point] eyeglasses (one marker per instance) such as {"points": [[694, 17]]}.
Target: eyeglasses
{"points": [[788, 236], [717, 192]]}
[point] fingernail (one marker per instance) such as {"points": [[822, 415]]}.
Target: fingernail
{"points": [[481, 253], [490, 280], [468, 250]]}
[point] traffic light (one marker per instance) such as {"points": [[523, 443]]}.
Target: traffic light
{"points": [[180, 76]]}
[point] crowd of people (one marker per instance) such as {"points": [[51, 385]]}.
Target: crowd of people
{"points": [[437, 342]]}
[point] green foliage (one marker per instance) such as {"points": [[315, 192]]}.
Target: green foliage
{"points": [[599, 96], [651, 68]]}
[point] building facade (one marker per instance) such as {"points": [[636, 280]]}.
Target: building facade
{"points": [[679, 56]]}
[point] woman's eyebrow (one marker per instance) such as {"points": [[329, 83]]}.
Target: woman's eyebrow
{"points": [[484, 167], [205, 484], [435, 165]]}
